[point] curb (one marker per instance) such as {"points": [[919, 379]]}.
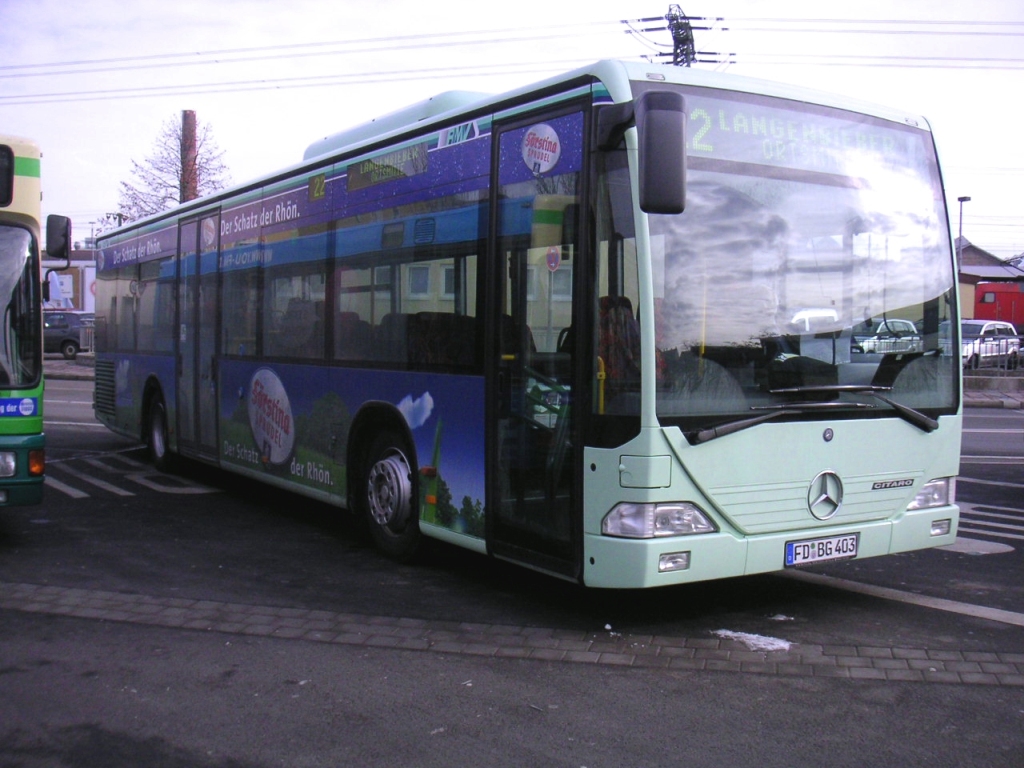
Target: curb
{"points": [[724, 653]]}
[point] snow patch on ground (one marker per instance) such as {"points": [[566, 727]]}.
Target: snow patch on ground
{"points": [[755, 642]]}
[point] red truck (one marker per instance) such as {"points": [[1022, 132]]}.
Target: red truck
{"points": [[1000, 301]]}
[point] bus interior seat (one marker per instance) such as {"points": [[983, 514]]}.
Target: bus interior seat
{"points": [[709, 381], [297, 329], [511, 335], [924, 380], [352, 337], [618, 342], [442, 338], [391, 338]]}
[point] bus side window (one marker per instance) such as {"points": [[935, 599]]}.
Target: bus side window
{"points": [[294, 309]]}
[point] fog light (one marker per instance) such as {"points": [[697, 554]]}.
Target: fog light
{"points": [[941, 527], [8, 464], [674, 561]]}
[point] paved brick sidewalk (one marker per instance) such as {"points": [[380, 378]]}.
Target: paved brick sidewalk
{"points": [[609, 647]]}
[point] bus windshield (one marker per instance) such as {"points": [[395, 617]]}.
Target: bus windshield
{"points": [[812, 265], [20, 358]]}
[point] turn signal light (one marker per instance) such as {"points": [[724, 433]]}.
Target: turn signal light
{"points": [[37, 462]]}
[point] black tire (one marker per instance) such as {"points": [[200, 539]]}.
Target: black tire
{"points": [[156, 435], [69, 349], [387, 497]]}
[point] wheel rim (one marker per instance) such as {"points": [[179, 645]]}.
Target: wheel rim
{"points": [[389, 491]]}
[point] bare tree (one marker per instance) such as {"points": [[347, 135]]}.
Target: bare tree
{"points": [[157, 182]]}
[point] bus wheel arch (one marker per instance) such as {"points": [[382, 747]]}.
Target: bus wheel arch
{"points": [[155, 433], [384, 491]]}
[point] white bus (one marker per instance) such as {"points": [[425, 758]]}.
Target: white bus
{"points": [[602, 326]]}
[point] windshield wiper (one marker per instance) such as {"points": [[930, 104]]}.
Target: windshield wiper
{"points": [[908, 414], [704, 435], [918, 419]]}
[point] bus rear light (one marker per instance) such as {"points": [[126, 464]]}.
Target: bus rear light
{"points": [[649, 521], [8, 464], [935, 493], [37, 463]]}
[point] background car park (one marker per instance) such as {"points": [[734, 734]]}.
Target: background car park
{"points": [[67, 332]]}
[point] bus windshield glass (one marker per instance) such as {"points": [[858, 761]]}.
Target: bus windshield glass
{"points": [[812, 265], [20, 357]]}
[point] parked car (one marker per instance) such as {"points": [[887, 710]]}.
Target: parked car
{"points": [[889, 336], [989, 343], [64, 331]]}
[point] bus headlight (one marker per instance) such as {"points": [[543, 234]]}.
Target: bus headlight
{"points": [[935, 493], [648, 521], [8, 464]]}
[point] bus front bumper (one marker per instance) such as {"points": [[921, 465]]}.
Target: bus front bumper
{"points": [[22, 488], [640, 563]]}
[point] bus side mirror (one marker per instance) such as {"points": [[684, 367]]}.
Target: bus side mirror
{"points": [[660, 119], [58, 238], [661, 123]]}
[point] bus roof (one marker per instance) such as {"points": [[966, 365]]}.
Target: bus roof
{"points": [[616, 76]]}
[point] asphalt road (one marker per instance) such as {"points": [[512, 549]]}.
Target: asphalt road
{"points": [[199, 620]]}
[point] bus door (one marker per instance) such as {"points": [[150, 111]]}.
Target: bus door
{"points": [[198, 252], [532, 518]]}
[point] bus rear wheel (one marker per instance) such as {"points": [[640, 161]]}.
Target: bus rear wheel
{"points": [[387, 495]]}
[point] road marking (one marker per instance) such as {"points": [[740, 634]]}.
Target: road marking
{"points": [[966, 546], [993, 460], [982, 510], [1001, 484], [129, 469], [980, 532], [886, 593], [972, 520], [51, 423], [157, 481], [74, 493], [96, 481]]}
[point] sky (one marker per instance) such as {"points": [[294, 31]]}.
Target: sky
{"points": [[95, 81]]}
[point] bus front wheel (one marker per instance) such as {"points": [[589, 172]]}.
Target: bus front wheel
{"points": [[387, 496], [156, 434]]}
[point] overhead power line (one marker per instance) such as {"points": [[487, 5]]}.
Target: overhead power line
{"points": [[307, 81], [225, 56], [640, 30]]}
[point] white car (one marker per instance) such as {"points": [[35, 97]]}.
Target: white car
{"points": [[890, 336], [989, 343]]}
